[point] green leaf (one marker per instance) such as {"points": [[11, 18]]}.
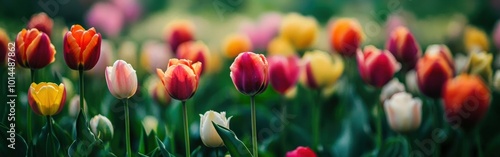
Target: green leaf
{"points": [[162, 148], [196, 151], [394, 146], [85, 139], [21, 148], [235, 147], [47, 143]]}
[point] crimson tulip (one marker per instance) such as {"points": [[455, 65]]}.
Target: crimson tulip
{"points": [[181, 78], [249, 73], [375, 66], [283, 72]]}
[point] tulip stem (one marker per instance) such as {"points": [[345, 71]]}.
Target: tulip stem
{"points": [[478, 141], [439, 119], [186, 131], [315, 121], [379, 124], [254, 127], [28, 110], [127, 128], [82, 98]]}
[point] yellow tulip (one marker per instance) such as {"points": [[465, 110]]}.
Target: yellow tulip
{"points": [[321, 69], [300, 31], [475, 40], [480, 64], [280, 46], [47, 98]]}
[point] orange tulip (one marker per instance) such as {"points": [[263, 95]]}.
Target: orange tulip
{"points": [[466, 100], [433, 70], [181, 78], [346, 36], [194, 51], [82, 48], [34, 49], [235, 44]]}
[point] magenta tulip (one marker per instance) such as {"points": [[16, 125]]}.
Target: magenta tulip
{"points": [[375, 66], [249, 73], [283, 72]]}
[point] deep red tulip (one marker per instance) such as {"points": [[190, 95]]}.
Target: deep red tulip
{"points": [[375, 66], [179, 32], [34, 49], [283, 72], [301, 152], [42, 22], [249, 73], [433, 70], [181, 78], [82, 48], [404, 47], [466, 100]]}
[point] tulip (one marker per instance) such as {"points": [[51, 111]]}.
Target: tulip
{"points": [[153, 56], [475, 40], [42, 22], [132, 9], [300, 31], [208, 134], [74, 106], [194, 51], [404, 47], [121, 79], [261, 32], [235, 44], [466, 100], [102, 127], [496, 80], [157, 91], [496, 35], [301, 151], [442, 51], [4, 48], [82, 48], [99, 15], [249, 73], [283, 72], [346, 36], [34, 49], [321, 69], [391, 88], [179, 32], [47, 98], [181, 78], [404, 113], [480, 64], [411, 81], [215, 60], [375, 66], [280, 46], [69, 87], [433, 70]]}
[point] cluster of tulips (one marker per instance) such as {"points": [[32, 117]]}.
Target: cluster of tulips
{"points": [[432, 74]]}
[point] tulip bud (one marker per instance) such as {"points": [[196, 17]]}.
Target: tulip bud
{"points": [[181, 78], [280, 46], [433, 70], [300, 31], [34, 49], [208, 134], [82, 48], [101, 127], [391, 88], [42, 22], [74, 106], [404, 47], [249, 73], [376, 67], [4, 48], [301, 151], [150, 123], [179, 32], [157, 91], [496, 80], [194, 51], [235, 44], [121, 79], [283, 72], [466, 95], [346, 36], [153, 56], [480, 64], [46, 99], [475, 40], [105, 58], [404, 113], [321, 69]]}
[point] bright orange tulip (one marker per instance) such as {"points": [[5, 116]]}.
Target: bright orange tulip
{"points": [[346, 36], [82, 48]]}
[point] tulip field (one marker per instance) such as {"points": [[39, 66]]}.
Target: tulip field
{"points": [[218, 78]]}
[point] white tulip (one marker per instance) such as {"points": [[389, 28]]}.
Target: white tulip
{"points": [[404, 113], [411, 81], [496, 80], [208, 134], [391, 88], [101, 127], [150, 123]]}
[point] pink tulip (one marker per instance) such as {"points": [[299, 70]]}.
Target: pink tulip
{"points": [[121, 79], [283, 72], [263, 31], [106, 17], [301, 151], [249, 73], [376, 67]]}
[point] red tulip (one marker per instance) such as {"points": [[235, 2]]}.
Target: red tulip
{"points": [[283, 72], [466, 100], [181, 78], [346, 36], [42, 22], [179, 32], [82, 48], [34, 49], [433, 70], [4, 49], [404, 47], [375, 66], [249, 73], [194, 51], [301, 152]]}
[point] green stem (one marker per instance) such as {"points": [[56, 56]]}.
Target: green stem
{"points": [[186, 129], [478, 141], [282, 120], [436, 111], [254, 127], [408, 142], [29, 112], [217, 152], [465, 149], [378, 110], [82, 98], [51, 151], [127, 128], [315, 121]]}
